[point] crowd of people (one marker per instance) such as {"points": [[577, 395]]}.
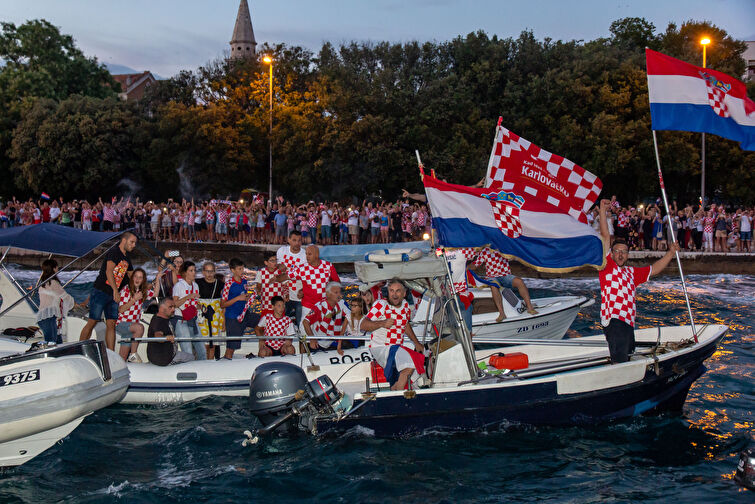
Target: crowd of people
{"points": [[708, 229], [714, 228], [225, 221]]}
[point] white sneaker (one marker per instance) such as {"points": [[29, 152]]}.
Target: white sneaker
{"points": [[134, 358]]}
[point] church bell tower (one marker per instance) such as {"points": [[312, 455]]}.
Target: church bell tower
{"points": [[243, 44]]}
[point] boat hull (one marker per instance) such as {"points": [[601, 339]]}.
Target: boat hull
{"points": [[46, 397], [188, 381], [648, 388]]}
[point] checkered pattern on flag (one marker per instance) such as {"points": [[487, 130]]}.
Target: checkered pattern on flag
{"points": [[507, 219], [686, 97], [716, 99], [520, 166], [519, 226]]}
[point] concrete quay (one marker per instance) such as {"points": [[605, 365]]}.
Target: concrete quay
{"points": [[694, 263]]}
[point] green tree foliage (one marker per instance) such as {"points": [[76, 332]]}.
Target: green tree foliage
{"points": [[40, 62], [78, 147], [347, 120]]}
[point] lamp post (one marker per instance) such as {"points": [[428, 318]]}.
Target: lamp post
{"points": [[269, 61], [704, 42]]}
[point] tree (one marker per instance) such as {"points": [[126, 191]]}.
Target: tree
{"points": [[79, 147], [41, 62]]}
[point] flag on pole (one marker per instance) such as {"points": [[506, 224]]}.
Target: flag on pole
{"points": [[519, 165], [45, 196], [685, 97], [520, 225]]}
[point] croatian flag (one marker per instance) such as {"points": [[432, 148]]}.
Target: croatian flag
{"points": [[45, 196], [519, 165], [519, 225], [685, 97]]}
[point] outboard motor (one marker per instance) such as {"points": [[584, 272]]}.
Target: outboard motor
{"points": [[272, 389], [279, 392]]}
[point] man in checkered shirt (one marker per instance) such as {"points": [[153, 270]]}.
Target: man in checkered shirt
{"points": [[314, 275], [388, 321], [498, 271], [617, 290], [326, 319]]}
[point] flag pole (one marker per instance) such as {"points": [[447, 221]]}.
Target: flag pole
{"points": [[673, 236]]}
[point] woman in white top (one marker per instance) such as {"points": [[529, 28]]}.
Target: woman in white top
{"points": [[186, 294], [54, 302]]}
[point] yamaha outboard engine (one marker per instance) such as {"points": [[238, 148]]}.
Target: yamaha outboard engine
{"points": [[272, 390], [279, 392]]}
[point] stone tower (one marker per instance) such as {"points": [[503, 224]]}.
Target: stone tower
{"points": [[242, 43]]}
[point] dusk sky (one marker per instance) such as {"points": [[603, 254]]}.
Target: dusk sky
{"points": [[165, 36]]}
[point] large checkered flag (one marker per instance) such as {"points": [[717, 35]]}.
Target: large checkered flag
{"points": [[519, 166]]}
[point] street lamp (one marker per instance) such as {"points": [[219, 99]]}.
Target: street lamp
{"points": [[704, 42], [268, 60]]}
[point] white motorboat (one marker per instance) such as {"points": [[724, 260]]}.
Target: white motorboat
{"points": [[553, 318], [151, 384], [45, 393]]}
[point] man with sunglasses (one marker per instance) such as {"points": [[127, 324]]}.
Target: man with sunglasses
{"points": [[618, 283]]}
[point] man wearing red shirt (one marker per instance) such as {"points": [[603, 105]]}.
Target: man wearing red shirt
{"points": [[618, 283]]}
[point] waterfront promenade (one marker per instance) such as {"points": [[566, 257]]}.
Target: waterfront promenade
{"points": [[694, 263]]}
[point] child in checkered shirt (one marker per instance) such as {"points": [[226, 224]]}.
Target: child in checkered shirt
{"points": [[130, 310], [277, 329], [269, 282]]}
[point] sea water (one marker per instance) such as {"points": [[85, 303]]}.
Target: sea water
{"points": [[193, 453]]}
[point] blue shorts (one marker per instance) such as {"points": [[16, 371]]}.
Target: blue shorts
{"points": [[505, 281], [325, 230], [123, 329], [745, 235], [221, 228], [375, 230], [101, 303], [235, 328]]}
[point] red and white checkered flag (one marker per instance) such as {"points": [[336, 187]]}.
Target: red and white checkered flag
{"points": [[507, 219], [519, 166], [716, 100]]}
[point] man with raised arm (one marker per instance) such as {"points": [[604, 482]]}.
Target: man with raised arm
{"points": [[618, 283]]}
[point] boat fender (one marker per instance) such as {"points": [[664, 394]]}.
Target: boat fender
{"points": [[393, 255], [513, 360]]}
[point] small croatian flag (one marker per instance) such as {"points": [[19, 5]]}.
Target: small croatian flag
{"points": [[45, 196]]}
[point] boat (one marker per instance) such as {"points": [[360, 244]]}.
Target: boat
{"points": [[567, 382], [46, 392], [555, 314], [18, 311], [553, 318], [179, 383]]}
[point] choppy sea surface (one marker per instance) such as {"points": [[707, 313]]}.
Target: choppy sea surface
{"points": [[193, 453]]}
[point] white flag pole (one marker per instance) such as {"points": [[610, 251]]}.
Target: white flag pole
{"points": [[673, 236]]}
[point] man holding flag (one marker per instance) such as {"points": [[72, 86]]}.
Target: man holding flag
{"points": [[617, 290]]}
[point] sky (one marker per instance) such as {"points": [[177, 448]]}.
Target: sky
{"points": [[165, 36]]}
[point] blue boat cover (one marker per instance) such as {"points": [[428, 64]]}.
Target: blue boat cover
{"points": [[53, 238], [354, 253]]}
